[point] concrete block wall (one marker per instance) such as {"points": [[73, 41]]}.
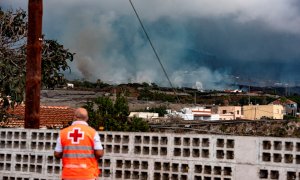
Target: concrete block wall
{"points": [[28, 155]]}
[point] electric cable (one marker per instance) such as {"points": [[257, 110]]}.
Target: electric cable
{"points": [[154, 50]]}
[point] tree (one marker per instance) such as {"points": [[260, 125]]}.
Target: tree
{"points": [[155, 86], [13, 34], [161, 110], [95, 119], [121, 106], [138, 125], [113, 116], [54, 61], [105, 106], [12, 58]]}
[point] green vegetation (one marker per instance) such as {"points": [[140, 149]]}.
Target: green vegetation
{"points": [[84, 84], [54, 62], [146, 94], [291, 117], [262, 100], [161, 110], [113, 116], [13, 37], [138, 125], [295, 98]]}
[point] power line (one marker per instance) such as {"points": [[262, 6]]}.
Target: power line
{"points": [[157, 57]]}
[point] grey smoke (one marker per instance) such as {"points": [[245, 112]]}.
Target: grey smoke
{"points": [[200, 42]]}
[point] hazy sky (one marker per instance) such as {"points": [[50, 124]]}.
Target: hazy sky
{"points": [[200, 42]]}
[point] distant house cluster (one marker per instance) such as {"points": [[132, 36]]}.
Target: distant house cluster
{"points": [[61, 116], [249, 112], [275, 110], [290, 106]]}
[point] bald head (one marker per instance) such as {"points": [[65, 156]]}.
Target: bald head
{"points": [[81, 114]]}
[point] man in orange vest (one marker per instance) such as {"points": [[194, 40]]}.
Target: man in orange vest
{"points": [[80, 147]]}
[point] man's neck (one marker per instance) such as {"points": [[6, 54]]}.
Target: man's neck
{"points": [[79, 122]]}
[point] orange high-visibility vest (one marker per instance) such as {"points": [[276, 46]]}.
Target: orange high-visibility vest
{"points": [[78, 152]]}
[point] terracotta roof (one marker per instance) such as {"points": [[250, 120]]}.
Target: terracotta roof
{"points": [[50, 116], [280, 102]]}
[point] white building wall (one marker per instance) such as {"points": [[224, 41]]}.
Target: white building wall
{"points": [[187, 116], [144, 115], [226, 117], [230, 112], [28, 155], [215, 117]]}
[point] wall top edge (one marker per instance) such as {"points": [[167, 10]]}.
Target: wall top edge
{"points": [[154, 134]]}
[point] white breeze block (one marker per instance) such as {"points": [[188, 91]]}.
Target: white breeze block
{"points": [[28, 155]]}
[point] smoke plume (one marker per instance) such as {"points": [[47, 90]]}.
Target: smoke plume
{"points": [[201, 43]]}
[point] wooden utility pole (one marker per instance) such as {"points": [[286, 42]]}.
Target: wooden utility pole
{"points": [[33, 64]]}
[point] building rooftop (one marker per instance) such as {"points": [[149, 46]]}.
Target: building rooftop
{"points": [[50, 116], [283, 102]]}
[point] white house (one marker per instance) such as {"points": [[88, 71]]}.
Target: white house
{"points": [[144, 115], [230, 112], [70, 85], [196, 113]]}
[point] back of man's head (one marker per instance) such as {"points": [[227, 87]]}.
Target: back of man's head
{"points": [[81, 114]]}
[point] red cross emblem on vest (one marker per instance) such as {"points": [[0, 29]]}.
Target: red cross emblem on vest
{"points": [[76, 135]]}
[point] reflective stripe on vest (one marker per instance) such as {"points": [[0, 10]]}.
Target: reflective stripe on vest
{"points": [[78, 156], [87, 152], [77, 148]]}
